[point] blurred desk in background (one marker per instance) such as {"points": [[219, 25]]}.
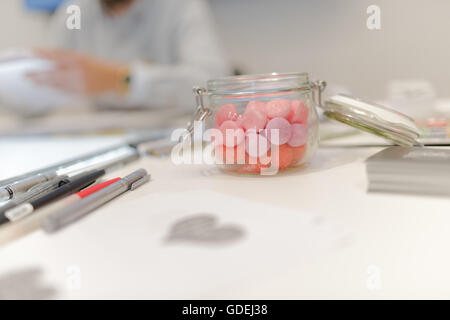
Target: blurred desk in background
{"points": [[84, 120]]}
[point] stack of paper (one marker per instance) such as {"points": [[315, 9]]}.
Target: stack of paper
{"points": [[410, 170]]}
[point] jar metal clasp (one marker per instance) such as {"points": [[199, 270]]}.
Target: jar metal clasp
{"points": [[201, 112], [318, 87]]}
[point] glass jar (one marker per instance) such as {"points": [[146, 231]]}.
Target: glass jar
{"points": [[264, 124]]}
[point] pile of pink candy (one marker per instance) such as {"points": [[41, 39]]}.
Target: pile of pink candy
{"points": [[253, 131]]}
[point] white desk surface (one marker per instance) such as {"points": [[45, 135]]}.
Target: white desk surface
{"points": [[396, 246]]}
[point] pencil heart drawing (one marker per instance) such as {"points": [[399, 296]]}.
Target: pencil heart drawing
{"points": [[25, 284], [204, 229]]}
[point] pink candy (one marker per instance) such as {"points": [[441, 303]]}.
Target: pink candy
{"points": [[282, 157], [225, 113], [254, 133], [298, 152], [232, 134], [278, 108], [230, 155], [254, 119], [256, 144], [298, 112], [279, 126], [299, 135], [239, 120], [256, 105]]}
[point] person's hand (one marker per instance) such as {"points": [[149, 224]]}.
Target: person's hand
{"points": [[81, 74]]}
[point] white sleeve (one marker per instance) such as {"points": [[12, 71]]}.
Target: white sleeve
{"points": [[199, 58]]}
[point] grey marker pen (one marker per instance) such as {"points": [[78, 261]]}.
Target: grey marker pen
{"points": [[35, 192], [19, 187], [81, 208], [4, 195]]}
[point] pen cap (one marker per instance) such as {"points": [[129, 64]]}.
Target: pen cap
{"points": [[133, 180], [35, 192], [29, 182]]}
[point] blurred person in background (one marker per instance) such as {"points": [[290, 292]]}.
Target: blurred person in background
{"points": [[134, 53]]}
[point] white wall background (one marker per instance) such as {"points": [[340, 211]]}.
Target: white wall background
{"points": [[19, 28], [327, 38]]}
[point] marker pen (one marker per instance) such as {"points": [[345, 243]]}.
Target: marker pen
{"points": [[35, 192], [26, 209], [19, 187], [10, 232], [72, 213]]}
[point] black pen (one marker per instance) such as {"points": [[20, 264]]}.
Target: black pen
{"points": [[26, 209]]}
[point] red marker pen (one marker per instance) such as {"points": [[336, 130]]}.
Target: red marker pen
{"points": [[81, 195]]}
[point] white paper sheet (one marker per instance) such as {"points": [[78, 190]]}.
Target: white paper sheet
{"points": [[21, 155], [219, 246]]}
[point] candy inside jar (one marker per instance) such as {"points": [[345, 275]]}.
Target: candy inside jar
{"points": [[270, 133]]}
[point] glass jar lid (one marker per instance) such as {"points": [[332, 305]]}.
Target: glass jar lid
{"points": [[258, 84], [373, 118]]}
